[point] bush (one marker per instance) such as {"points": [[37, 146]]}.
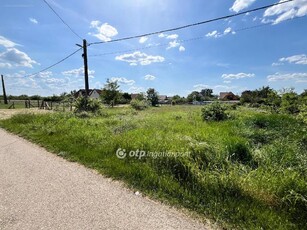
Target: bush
{"points": [[139, 104], [89, 105], [214, 112], [303, 113]]}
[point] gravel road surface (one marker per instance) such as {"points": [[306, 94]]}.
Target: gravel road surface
{"points": [[39, 190]]}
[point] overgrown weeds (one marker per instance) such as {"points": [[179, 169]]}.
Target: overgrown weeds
{"points": [[246, 173]]}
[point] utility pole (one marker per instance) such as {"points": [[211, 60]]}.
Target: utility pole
{"points": [[4, 93], [85, 67], [84, 55]]}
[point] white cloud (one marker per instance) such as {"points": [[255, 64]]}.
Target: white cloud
{"points": [[241, 5], [172, 36], [201, 86], [122, 80], [225, 87], [53, 81], [149, 77], [19, 74], [229, 30], [181, 48], [16, 57], [138, 58], [143, 40], [296, 59], [105, 32], [78, 73], [46, 83], [277, 64], [216, 34], [227, 82], [212, 34], [136, 89], [173, 44], [238, 76], [5, 65], [296, 8], [6, 42], [297, 77], [33, 20], [46, 74]]}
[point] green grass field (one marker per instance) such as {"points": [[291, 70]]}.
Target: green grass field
{"points": [[248, 172], [17, 105]]}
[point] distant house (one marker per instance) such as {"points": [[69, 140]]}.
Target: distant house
{"points": [[93, 93], [135, 95], [163, 99], [228, 96]]}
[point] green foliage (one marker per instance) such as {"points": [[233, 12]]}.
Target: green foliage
{"points": [[203, 95], [124, 98], [303, 113], [264, 95], [138, 104], [206, 93], [83, 104], [177, 100], [152, 96], [110, 93], [243, 173], [194, 96], [214, 112], [290, 103]]}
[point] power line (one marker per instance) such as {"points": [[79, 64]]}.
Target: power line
{"points": [[62, 19], [49, 67], [194, 24], [186, 40]]}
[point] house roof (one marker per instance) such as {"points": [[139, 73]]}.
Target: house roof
{"points": [[81, 92], [162, 97], [225, 94]]}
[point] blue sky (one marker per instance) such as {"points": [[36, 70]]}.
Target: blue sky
{"points": [[220, 55]]}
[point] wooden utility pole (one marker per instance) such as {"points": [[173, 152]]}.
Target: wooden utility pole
{"points": [[85, 68], [4, 93], [84, 55]]}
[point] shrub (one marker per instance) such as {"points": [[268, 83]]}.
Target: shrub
{"points": [[214, 112], [89, 105], [303, 113], [139, 104]]}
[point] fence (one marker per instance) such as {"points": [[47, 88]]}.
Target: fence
{"points": [[39, 104]]}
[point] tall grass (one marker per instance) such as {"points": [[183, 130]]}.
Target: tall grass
{"points": [[248, 172]]}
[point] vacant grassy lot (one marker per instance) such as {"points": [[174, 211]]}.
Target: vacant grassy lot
{"points": [[249, 172]]}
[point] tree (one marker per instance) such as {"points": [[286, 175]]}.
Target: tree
{"points": [[290, 103], [273, 99], [207, 93], [141, 97], [178, 100], [35, 97], [124, 98], [194, 96], [152, 96], [304, 94], [110, 92]]}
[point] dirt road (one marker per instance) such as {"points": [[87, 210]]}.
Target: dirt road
{"points": [[39, 190]]}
